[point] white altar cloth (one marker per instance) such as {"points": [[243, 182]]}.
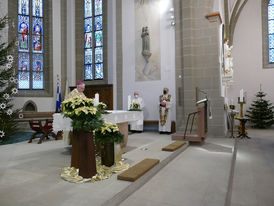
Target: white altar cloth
{"points": [[61, 123]]}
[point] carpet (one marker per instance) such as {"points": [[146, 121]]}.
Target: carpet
{"points": [[15, 138]]}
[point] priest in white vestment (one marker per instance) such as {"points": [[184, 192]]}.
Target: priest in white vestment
{"points": [[165, 106], [138, 125], [78, 91]]}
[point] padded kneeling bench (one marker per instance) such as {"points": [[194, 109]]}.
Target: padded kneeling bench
{"points": [[138, 170]]}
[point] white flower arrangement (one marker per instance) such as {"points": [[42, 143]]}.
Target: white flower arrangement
{"points": [[14, 91], [9, 112], [2, 134], [6, 96], [3, 106]]}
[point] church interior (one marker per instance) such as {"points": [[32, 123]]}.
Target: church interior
{"points": [[136, 102]]}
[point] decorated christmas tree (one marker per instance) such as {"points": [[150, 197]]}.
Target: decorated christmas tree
{"points": [[8, 86], [261, 112]]}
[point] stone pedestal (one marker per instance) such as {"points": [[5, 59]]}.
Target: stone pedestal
{"points": [[123, 127]]}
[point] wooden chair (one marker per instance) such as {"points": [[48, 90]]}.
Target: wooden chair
{"points": [[45, 130]]}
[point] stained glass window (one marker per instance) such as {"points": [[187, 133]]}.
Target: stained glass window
{"points": [[30, 44], [271, 30], [93, 21], [23, 7]]}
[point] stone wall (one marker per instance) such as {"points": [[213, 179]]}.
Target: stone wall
{"points": [[197, 62]]}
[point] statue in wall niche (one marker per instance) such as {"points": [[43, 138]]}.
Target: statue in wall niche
{"points": [[146, 43]]}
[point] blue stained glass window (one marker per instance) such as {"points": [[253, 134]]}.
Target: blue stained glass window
{"points": [[23, 7], [37, 62], [23, 24], [37, 26], [98, 7], [271, 30], [98, 54], [23, 62], [88, 56], [37, 80], [98, 23], [88, 25], [88, 8], [37, 8], [23, 42], [23, 80], [93, 21], [88, 40], [88, 72], [98, 38], [23, 71], [30, 32], [99, 74], [37, 44]]}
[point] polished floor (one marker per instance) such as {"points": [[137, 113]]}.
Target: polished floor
{"points": [[200, 175]]}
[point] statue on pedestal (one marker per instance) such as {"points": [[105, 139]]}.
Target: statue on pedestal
{"points": [[145, 43]]}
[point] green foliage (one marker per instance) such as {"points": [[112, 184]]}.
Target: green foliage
{"points": [[85, 116], [8, 84], [261, 112], [108, 132], [116, 137]]}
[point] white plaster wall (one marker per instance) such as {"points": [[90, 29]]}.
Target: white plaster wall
{"points": [[3, 12], [149, 90], [46, 104], [71, 62], [247, 56]]}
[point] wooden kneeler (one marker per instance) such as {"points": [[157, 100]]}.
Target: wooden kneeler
{"points": [[173, 146], [138, 170]]}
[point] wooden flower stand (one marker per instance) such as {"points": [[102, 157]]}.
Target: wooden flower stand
{"points": [[83, 154], [107, 154]]}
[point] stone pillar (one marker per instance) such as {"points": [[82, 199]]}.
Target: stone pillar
{"points": [[197, 62]]}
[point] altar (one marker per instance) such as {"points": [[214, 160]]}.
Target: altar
{"points": [[119, 117]]}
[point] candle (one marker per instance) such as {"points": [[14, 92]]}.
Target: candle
{"points": [[96, 99], [128, 102], [241, 95]]}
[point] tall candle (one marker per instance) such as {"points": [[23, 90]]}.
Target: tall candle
{"points": [[96, 99], [128, 102], [241, 95]]}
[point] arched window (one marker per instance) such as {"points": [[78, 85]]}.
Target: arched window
{"points": [[30, 45], [93, 48]]}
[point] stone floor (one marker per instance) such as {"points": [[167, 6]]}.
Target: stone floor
{"points": [[30, 174]]}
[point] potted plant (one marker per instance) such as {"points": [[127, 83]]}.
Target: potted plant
{"points": [[86, 117], [135, 106], [107, 135]]}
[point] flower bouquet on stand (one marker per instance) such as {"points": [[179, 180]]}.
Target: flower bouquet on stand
{"points": [[86, 117], [135, 106], [108, 135]]}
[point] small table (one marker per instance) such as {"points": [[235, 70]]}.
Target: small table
{"points": [[242, 129]]}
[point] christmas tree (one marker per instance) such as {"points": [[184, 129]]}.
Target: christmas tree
{"points": [[8, 86], [261, 112]]}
